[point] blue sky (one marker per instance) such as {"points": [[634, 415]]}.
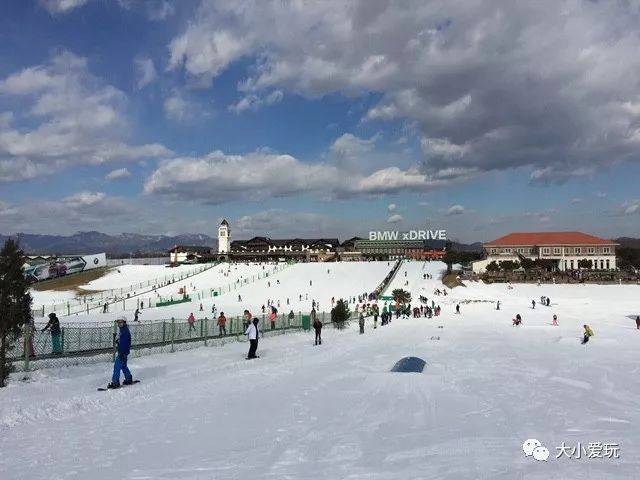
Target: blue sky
{"points": [[318, 118]]}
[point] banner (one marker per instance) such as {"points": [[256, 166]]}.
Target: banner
{"points": [[61, 266]]}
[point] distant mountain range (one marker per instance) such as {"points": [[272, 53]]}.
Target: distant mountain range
{"points": [[123, 245]]}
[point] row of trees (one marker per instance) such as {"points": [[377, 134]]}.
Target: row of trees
{"points": [[528, 264], [453, 256], [15, 303]]}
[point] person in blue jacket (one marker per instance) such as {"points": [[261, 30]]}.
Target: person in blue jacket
{"points": [[124, 347]]}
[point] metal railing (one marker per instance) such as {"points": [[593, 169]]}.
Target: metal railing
{"points": [[80, 343]]}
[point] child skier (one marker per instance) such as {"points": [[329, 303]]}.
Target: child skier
{"points": [[361, 323]]}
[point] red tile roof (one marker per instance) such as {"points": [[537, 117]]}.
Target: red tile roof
{"points": [[547, 238]]}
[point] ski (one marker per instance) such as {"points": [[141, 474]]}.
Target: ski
{"points": [[104, 389]]}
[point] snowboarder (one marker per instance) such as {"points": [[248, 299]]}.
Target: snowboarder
{"points": [[361, 323], [555, 321], [638, 322], [54, 327], [124, 347], [548, 301], [587, 333], [317, 327], [252, 334], [239, 298], [458, 308], [222, 324]]}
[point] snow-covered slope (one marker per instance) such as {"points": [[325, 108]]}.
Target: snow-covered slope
{"points": [[335, 411]]}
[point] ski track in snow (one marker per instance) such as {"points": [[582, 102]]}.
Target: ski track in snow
{"points": [[334, 411]]}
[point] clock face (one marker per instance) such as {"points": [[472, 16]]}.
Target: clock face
{"points": [[223, 233]]}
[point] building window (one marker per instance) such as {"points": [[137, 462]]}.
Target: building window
{"points": [[578, 250], [606, 250], [556, 251], [607, 264], [601, 264], [545, 251], [592, 250], [507, 250], [493, 250]]}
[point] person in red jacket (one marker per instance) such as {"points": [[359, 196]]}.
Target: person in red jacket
{"points": [[222, 322], [192, 322]]}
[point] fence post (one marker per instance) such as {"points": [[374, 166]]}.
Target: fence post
{"points": [[173, 332], [164, 331], [68, 309], [206, 330], [115, 333], [27, 332]]}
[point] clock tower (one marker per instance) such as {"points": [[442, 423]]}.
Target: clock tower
{"points": [[224, 237]]}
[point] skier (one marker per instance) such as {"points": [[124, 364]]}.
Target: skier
{"points": [[222, 324], [376, 312], [135, 315], [555, 321], [201, 308], [317, 326], [548, 301], [498, 305], [246, 319], [239, 298], [533, 304], [124, 347], [517, 321], [587, 333], [361, 323], [458, 308], [638, 322], [252, 333], [54, 327], [192, 322], [292, 316], [310, 283]]}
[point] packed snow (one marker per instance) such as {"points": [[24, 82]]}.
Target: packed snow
{"points": [[335, 411]]}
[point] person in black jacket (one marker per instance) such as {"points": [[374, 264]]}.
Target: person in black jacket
{"points": [[124, 348], [317, 326], [54, 327]]}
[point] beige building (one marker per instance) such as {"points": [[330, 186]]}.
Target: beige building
{"points": [[564, 249]]}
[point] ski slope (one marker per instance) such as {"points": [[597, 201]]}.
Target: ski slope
{"points": [[335, 411], [300, 283]]}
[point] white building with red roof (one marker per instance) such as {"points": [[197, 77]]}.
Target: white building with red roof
{"points": [[565, 249]]}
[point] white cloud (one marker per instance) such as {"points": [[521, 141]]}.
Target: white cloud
{"points": [[145, 72], [62, 6], [68, 117], [543, 90], [159, 9], [219, 178], [455, 210], [254, 102], [396, 218], [632, 207], [118, 174], [391, 207]]}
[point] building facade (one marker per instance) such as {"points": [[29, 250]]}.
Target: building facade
{"points": [[563, 249], [392, 249], [224, 237]]}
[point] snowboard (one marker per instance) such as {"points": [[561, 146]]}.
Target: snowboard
{"points": [[257, 356], [103, 389]]}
